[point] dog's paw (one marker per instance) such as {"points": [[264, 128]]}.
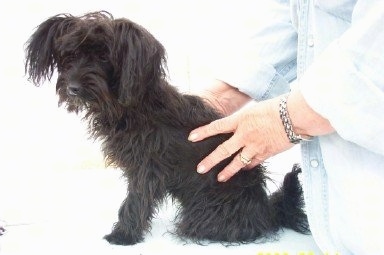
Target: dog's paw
{"points": [[120, 238]]}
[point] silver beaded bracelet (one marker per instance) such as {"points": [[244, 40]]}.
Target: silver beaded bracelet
{"points": [[286, 120]]}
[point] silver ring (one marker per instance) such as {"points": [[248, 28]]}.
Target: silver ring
{"points": [[245, 160]]}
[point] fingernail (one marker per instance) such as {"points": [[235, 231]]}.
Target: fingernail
{"points": [[201, 169], [221, 178], [192, 137]]}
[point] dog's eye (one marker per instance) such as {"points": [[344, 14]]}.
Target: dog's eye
{"points": [[103, 58]]}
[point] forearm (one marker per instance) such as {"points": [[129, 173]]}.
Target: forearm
{"points": [[263, 65], [345, 82]]}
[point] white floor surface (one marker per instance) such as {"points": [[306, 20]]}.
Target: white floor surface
{"points": [[69, 211]]}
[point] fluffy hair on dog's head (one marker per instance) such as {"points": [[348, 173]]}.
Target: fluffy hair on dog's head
{"points": [[92, 52], [113, 70]]}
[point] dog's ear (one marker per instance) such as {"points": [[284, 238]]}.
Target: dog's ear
{"points": [[41, 51], [140, 58]]}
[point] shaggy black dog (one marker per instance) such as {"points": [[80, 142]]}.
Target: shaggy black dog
{"points": [[114, 71]]}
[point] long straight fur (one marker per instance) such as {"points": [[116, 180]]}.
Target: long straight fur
{"points": [[114, 71]]}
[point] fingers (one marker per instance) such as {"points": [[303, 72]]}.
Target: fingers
{"points": [[242, 160], [257, 135], [223, 151], [239, 162], [220, 126]]}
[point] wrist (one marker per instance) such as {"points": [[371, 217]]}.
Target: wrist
{"points": [[305, 121], [291, 132]]}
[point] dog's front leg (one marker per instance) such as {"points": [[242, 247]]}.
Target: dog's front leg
{"points": [[135, 214], [130, 227]]}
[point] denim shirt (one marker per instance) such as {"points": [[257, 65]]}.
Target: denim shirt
{"points": [[335, 52]]}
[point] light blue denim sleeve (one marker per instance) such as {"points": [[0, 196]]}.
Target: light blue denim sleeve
{"points": [[264, 66], [346, 82]]}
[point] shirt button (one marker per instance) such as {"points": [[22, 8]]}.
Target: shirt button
{"points": [[314, 163], [311, 41]]}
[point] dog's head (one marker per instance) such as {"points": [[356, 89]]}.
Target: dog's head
{"points": [[99, 60]]}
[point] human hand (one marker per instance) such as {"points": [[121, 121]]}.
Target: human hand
{"points": [[224, 97], [257, 133]]}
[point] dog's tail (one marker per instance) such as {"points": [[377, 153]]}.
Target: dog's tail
{"points": [[287, 203]]}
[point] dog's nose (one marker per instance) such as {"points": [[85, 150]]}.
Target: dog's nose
{"points": [[73, 89]]}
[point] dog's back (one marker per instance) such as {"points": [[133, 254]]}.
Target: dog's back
{"points": [[240, 210]]}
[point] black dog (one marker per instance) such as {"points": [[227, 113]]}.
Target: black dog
{"points": [[114, 71]]}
